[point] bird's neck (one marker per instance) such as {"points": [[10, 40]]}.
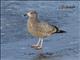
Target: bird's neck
{"points": [[32, 22], [34, 19]]}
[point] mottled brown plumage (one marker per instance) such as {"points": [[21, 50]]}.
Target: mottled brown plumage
{"points": [[38, 28]]}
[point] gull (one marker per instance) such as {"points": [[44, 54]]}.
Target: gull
{"points": [[39, 28]]}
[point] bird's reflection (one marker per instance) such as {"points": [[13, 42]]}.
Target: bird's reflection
{"points": [[42, 56]]}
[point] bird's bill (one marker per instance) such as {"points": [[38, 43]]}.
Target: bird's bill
{"points": [[25, 14]]}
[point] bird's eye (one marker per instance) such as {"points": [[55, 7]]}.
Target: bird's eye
{"points": [[31, 13]]}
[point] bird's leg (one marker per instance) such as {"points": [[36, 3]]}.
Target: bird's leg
{"points": [[41, 43], [36, 45], [39, 47], [38, 42]]}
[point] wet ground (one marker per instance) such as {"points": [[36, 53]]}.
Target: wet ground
{"points": [[16, 41]]}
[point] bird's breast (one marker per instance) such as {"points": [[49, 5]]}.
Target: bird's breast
{"points": [[32, 28]]}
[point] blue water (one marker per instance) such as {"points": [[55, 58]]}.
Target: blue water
{"points": [[16, 41]]}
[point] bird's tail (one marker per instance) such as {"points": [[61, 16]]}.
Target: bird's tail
{"points": [[61, 31], [58, 30]]}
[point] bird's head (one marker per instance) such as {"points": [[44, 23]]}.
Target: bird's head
{"points": [[31, 14]]}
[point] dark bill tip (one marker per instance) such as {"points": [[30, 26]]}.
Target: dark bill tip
{"points": [[25, 14]]}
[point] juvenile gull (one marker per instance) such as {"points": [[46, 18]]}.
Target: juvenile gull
{"points": [[39, 29]]}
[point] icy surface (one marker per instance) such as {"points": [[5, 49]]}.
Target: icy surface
{"points": [[16, 41]]}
